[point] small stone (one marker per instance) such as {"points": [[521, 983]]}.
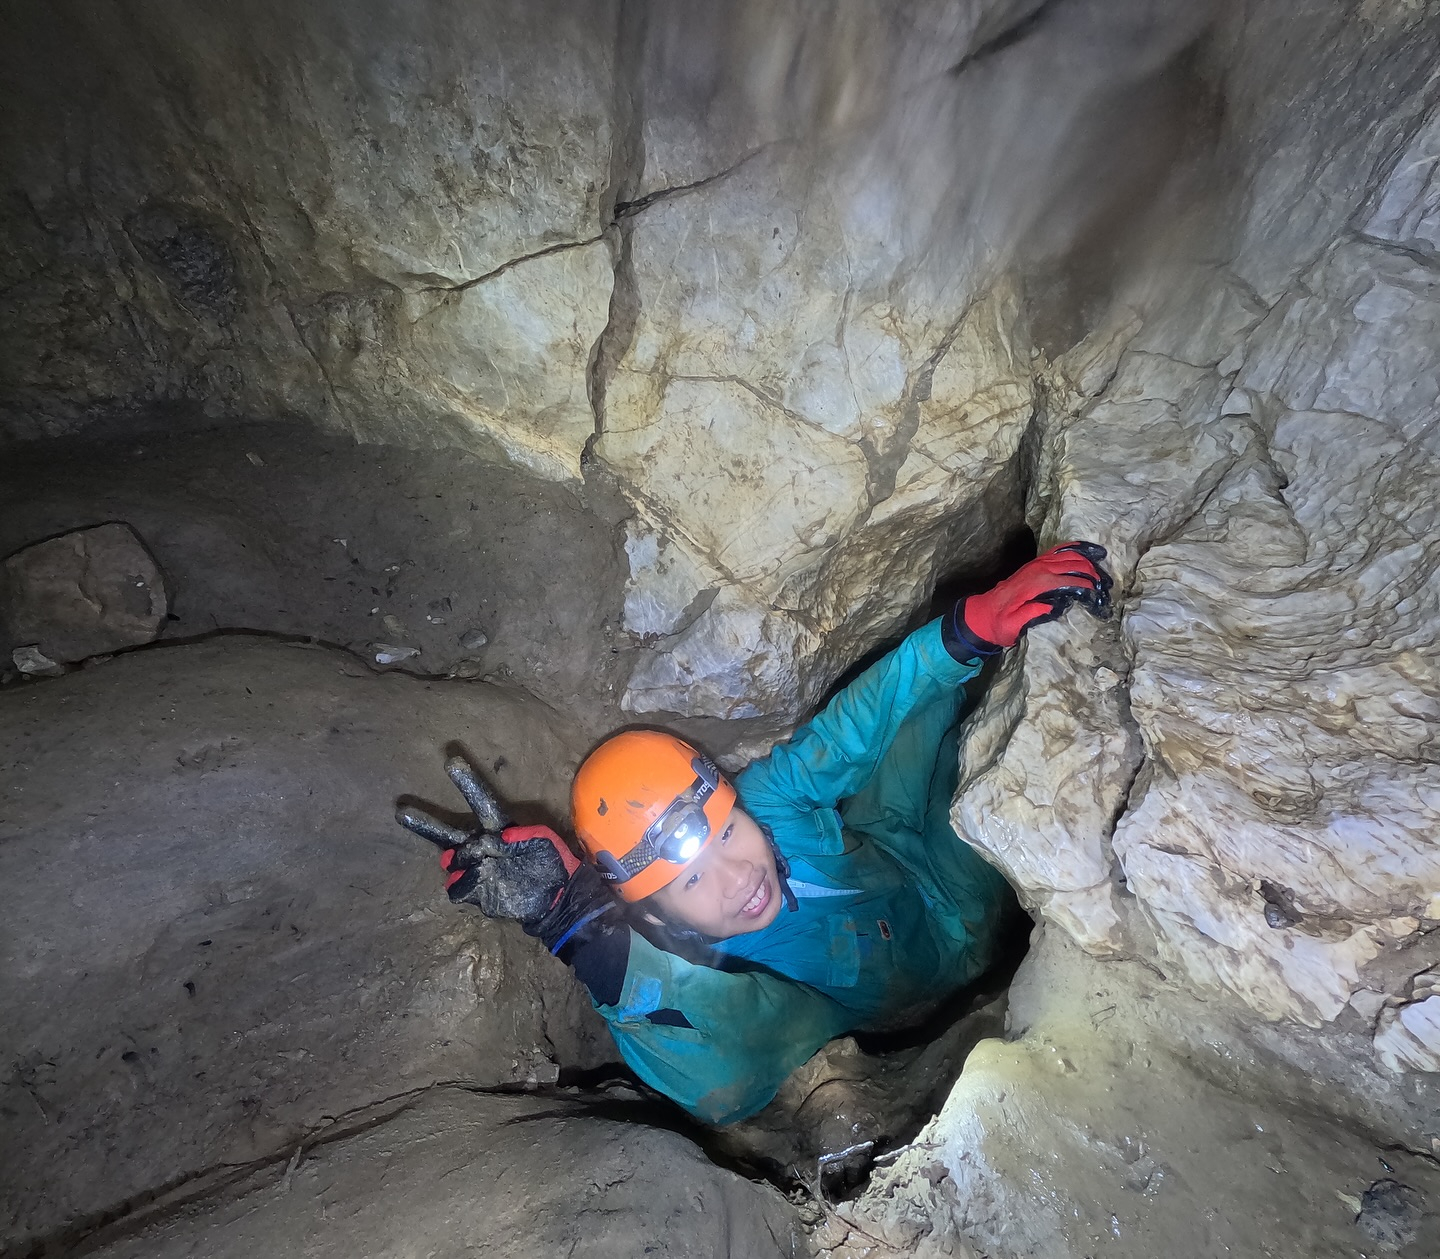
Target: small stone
{"points": [[388, 653], [1275, 916], [83, 593], [474, 639], [394, 626], [32, 661], [543, 1073], [1367, 1003], [466, 669], [255, 459]]}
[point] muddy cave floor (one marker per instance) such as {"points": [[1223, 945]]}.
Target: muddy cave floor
{"points": [[241, 1021]]}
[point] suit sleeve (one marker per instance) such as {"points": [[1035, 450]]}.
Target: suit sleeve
{"points": [[720, 1043], [833, 755]]}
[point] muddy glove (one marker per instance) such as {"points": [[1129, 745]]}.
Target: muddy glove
{"points": [[1042, 590], [505, 871]]}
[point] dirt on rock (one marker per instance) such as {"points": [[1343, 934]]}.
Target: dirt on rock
{"points": [[214, 939], [479, 569]]}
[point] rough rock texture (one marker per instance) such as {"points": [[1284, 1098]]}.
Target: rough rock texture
{"points": [[214, 940], [821, 295], [1122, 1120], [414, 548], [84, 593], [405, 1181], [749, 265], [1239, 782], [381, 217], [818, 362]]}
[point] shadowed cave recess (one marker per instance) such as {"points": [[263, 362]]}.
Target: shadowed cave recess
{"points": [[383, 378]]}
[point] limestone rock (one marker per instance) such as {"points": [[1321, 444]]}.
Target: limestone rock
{"points": [[1407, 210], [732, 653], [766, 483], [420, 261], [32, 661], [1112, 1119], [1251, 802], [1408, 1039], [664, 583], [84, 593], [1047, 762]]}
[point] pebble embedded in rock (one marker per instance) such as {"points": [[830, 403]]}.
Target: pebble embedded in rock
{"points": [[388, 653], [83, 593], [474, 639], [32, 661]]}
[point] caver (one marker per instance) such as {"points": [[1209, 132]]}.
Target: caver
{"points": [[726, 930]]}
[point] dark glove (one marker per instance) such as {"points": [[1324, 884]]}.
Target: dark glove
{"points": [[506, 872], [1042, 590]]}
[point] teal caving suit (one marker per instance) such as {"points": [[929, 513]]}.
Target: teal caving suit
{"points": [[893, 912]]}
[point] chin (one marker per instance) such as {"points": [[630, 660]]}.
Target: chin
{"points": [[744, 924]]}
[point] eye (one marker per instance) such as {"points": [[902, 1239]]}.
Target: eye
{"points": [[691, 881], [725, 838]]}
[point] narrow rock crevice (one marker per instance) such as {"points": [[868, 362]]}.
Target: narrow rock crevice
{"points": [[510, 264], [233, 281], [627, 168], [628, 209]]}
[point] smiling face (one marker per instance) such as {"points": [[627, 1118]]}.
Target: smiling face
{"points": [[731, 888]]}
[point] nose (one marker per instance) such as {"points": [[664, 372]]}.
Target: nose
{"points": [[735, 875]]}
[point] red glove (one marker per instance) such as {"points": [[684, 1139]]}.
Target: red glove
{"points": [[1039, 591]]}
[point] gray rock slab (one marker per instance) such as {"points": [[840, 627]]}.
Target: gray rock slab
{"points": [[84, 593], [461, 1173], [215, 940]]}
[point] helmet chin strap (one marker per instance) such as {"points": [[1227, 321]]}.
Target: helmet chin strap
{"points": [[782, 868]]}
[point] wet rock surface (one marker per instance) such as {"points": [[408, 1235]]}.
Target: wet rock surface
{"points": [[82, 594]]}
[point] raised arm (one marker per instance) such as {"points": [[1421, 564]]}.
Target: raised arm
{"points": [[834, 754]]}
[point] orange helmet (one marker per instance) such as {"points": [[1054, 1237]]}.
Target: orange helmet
{"points": [[645, 805]]}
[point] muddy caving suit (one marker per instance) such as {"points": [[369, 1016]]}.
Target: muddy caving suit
{"points": [[891, 910]]}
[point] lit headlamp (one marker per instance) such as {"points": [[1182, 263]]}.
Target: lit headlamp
{"points": [[676, 836]]}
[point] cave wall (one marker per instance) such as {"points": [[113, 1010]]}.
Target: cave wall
{"points": [[808, 290], [754, 270], [1236, 781]]}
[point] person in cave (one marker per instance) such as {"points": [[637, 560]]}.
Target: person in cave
{"points": [[727, 929]]}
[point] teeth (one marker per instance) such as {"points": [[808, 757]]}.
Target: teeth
{"points": [[754, 902]]}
